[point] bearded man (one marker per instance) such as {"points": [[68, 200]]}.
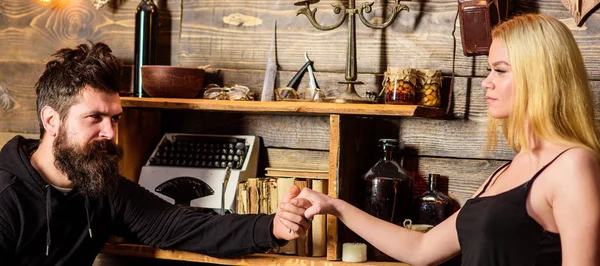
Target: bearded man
{"points": [[62, 197]]}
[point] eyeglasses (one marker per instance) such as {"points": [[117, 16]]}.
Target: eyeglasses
{"points": [[235, 93], [285, 93], [309, 94]]}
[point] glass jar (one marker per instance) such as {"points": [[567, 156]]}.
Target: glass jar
{"points": [[428, 93], [388, 191], [399, 85], [433, 206]]}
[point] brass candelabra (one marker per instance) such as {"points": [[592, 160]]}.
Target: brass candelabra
{"points": [[350, 95]]}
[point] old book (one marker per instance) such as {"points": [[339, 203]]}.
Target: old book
{"points": [[242, 199], [283, 187], [263, 196], [319, 224], [304, 241], [273, 195], [291, 172], [253, 195]]}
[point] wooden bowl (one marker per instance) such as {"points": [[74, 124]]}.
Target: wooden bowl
{"points": [[172, 81]]}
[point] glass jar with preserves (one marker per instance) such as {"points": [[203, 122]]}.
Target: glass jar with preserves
{"points": [[399, 85], [388, 191], [428, 93]]}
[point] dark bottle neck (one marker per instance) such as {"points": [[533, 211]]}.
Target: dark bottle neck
{"points": [[388, 154], [433, 182]]}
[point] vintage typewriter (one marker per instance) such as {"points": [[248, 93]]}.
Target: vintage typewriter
{"points": [[200, 170]]}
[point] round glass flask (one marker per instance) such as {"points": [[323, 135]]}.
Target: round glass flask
{"points": [[388, 190]]}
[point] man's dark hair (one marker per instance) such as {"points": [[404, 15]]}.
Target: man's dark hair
{"points": [[70, 71]]}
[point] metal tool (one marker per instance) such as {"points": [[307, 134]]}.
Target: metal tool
{"points": [[313, 82], [295, 81], [270, 72], [225, 181]]}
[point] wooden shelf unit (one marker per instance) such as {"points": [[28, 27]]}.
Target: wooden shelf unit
{"points": [[255, 259], [140, 127], [285, 107]]}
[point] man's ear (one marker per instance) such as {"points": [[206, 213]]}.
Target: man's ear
{"points": [[50, 120]]}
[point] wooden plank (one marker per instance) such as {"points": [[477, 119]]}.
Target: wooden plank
{"points": [[280, 158], [18, 111], [255, 259], [297, 173], [421, 38], [68, 23], [6, 136], [283, 107], [459, 178], [461, 136], [334, 249], [137, 132], [292, 131]]}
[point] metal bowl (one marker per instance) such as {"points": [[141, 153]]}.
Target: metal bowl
{"points": [[172, 81]]}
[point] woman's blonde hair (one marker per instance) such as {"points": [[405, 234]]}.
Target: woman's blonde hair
{"points": [[551, 88]]}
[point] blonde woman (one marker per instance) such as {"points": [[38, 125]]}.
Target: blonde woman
{"points": [[543, 207]]}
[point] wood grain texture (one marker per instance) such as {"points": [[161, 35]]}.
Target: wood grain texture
{"points": [[6, 136], [420, 38], [447, 138], [137, 132], [291, 131], [334, 249], [256, 259], [275, 107], [46, 28], [17, 97], [459, 178], [298, 158]]}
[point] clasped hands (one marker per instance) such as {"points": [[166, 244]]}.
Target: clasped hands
{"points": [[296, 211]]}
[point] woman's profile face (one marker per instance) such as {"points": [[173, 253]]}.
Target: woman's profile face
{"points": [[498, 84]]}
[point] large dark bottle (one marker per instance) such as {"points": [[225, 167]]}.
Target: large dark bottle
{"points": [[388, 191], [146, 42], [433, 206]]}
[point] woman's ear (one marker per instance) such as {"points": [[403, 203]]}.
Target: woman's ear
{"points": [[50, 120]]}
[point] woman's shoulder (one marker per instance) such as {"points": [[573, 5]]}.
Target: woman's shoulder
{"points": [[576, 159], [576, 166]]}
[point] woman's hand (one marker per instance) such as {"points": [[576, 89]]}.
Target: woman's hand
{"points": [[313, 202], [289, 222]]}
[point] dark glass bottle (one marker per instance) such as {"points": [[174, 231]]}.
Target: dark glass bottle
{"points": [[146, 42], [388, 191], [433, 206]]}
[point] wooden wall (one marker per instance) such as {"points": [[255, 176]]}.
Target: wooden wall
{"points": [[233, 37]]}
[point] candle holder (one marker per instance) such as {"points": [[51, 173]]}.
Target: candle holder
{"points": [[350, 95]]}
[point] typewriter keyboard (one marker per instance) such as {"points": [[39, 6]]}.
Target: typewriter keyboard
{"points": [[200, 151]]}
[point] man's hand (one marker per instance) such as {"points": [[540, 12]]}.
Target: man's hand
{"points": [[290, 223]]}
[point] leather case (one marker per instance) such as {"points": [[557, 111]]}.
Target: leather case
{"points": [[477, 18]]}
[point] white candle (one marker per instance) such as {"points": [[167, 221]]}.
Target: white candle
{"points": [[354, 252]]}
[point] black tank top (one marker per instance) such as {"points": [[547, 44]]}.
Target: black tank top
{"points": [[497, 230]]}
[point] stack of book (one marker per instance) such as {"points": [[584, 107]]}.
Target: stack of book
{"points": [[262, 195]]}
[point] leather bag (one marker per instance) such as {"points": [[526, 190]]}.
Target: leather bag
{"points": [[477, 18]]}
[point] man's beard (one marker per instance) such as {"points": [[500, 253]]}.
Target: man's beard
{"points": [[93, 168]]}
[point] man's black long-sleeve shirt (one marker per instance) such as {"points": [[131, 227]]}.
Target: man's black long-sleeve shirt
{"points": [[41, 226]]}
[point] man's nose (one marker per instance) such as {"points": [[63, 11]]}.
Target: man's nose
{"points": [[108, 129]]}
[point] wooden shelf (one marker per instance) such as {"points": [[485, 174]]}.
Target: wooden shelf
{"points": [[256, 259], [288, 107]]}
